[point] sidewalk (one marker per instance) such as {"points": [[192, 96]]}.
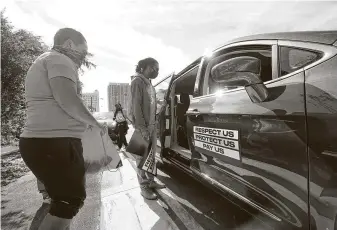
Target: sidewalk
{"points": [[124, 208], [113, 202], [9, 149]]}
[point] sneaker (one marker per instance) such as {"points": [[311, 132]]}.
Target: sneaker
{"points": [[147, 193], [155, 185]]}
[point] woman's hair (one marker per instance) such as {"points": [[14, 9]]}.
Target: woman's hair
{"points": [[142, 64], [62, 35]]}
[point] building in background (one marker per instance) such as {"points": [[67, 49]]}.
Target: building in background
{"points": [[119, 93], [91, 100]]}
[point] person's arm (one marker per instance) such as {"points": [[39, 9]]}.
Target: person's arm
{"points": [[62, 77], [137, 103], [64, 92], [137, 108]]}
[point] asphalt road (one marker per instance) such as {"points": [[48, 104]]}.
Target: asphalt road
{"points": [[209, 209]]}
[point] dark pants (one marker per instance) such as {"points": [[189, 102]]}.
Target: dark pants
{"points": [[122, 131], [58, 163]]}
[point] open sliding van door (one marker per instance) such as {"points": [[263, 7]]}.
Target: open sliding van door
{"points": [[164, 113]]}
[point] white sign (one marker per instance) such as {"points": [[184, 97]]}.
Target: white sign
{"points": [[224, 133], [227, 143], [150, 164], [217, 149], [221, 141]]}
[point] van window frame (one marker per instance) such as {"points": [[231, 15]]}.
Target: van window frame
{"points": [[202, 88], [245, 51], [171, 76], [327, 51]]}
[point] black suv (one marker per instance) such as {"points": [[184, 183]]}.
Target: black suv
{"points": [[261, 125]]}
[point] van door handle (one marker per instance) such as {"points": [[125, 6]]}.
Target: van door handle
{"points": [[194, 112], [194, 115]]}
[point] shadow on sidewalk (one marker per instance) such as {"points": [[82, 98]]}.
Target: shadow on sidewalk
{"points": [[3, 203], [39, 216], [87, 217], [14, 220], [163, 223]]}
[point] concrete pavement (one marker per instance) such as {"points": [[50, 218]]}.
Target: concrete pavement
{"points": [[124, 208], [113, 202], [9, 149]]}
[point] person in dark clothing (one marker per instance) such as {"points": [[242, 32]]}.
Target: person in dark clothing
{"points": [[121, 126]]}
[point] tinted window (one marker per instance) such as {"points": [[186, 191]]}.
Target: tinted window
{"points": [[186, 82], [161, 90], [263, 54], [292, 59]]}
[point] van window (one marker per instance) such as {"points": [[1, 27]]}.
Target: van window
{"points": [[161, 90], [263, 53], [292, 59], [186, 82]]}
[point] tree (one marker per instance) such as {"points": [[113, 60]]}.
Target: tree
{"points": [[19, 48]]}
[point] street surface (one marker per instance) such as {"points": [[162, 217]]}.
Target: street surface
{"points": [[114, 202]]}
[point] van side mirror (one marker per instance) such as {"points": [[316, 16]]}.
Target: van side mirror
{"points": [[242, 71], [257, 92]]}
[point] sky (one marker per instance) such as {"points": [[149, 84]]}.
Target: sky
{"points": [[121, 32]]}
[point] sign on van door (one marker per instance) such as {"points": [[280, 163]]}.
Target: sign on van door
{"points": [[220, 141]]}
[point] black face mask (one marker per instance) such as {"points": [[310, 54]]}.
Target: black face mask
{"points": [[153, 74]]}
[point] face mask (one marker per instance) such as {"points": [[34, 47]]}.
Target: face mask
{"points": [[153, 74], [74, 55]]}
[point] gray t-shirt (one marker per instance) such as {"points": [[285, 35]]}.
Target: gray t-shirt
{"points": [[153, 105], [45, 118]]}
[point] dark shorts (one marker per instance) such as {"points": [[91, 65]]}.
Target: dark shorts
{"points": [[58, 163]]}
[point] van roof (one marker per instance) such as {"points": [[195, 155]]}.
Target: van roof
{"points": [[323, 37]]}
